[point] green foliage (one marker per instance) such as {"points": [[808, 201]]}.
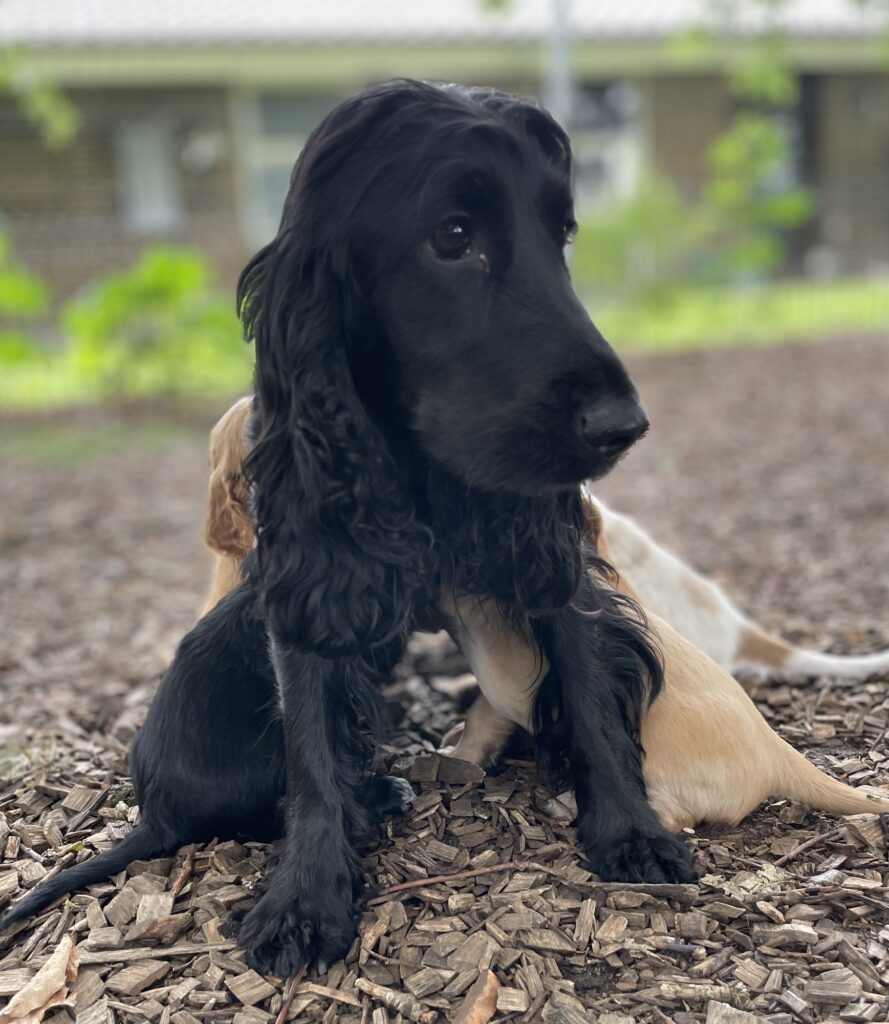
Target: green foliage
{"points": [[746, 197], [748, 192], [22, 294], [638, 249], [738, 227], [762, 73], [156, 328], [47, 108]]}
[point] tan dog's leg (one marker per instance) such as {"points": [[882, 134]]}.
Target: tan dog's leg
{"points": [[509, 669], [482, 737]]}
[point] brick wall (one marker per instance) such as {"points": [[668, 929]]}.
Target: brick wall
{"points": [[852, 168], [682, 117], [64, 207]]}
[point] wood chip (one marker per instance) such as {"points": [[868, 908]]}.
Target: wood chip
{"points": [[512, 1000], [154, 905], [425, 982], [9, 883], [122, 908], [546, 939], [133, 979], [778, 936], [583, 926], [723, 1013], [15, 980], [612, 929], [834, 987], [249, 988], [480, 1003]]}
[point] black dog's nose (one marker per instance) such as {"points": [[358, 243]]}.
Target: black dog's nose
{"points": [[612, 428]]}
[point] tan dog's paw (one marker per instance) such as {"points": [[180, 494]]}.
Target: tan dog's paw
{"points": [[451, 739], [471, 745], [563, 807]]}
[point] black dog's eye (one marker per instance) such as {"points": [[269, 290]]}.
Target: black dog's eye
{"points": [[569, 231], [452, 239]]}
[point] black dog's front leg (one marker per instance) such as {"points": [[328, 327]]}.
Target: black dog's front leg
{"points": [[307, 911], [593, 652]]}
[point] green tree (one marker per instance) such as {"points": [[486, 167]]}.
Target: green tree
{"points": [[755, 204], [23, 295]]}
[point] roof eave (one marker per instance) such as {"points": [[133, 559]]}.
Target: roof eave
{"points": [[348, 65]]}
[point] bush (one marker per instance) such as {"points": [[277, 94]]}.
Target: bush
{"points": [[157, 329], [641, 248]]}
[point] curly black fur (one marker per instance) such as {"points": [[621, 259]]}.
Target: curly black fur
{"points": [[587, 727], [523, 553], [344, 561]]}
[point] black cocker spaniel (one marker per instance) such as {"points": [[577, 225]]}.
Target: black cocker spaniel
{"points": [[429, 395]]}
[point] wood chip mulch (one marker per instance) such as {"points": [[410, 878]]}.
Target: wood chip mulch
{"points": [[480, 907]]}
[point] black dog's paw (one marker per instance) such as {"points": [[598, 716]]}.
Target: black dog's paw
{"points": [[280, 935], [639, 855], [387, 794]]}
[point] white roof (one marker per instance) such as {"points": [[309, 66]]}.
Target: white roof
{"points": [[90, 23]]}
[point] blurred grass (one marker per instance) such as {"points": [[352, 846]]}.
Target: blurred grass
{"points": [[687, 318], [55, 383]]}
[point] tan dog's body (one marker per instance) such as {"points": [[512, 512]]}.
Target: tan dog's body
{"points": [[709, 753]]}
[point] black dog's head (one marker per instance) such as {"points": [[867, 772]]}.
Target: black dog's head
{"points": [[416, 301], [438, 217]]}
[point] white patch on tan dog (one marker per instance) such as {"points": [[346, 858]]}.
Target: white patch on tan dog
{"points": [[699, 610]]}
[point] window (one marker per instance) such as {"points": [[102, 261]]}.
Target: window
{"points": [[278, 126], [606, 140], [148, 176]]}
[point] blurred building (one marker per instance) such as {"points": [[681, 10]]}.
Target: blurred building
{"points": [[191, 114]]}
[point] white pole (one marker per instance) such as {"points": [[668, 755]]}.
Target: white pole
{"points": [[558, 93]]}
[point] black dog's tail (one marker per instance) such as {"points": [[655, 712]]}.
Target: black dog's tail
{"points": [[141, 844]]}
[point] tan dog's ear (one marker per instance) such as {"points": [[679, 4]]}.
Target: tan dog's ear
{"points": [[593, 521], [228, 529], [597, 535]]}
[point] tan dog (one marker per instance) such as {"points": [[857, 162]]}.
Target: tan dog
{"points": [[709, 754]]}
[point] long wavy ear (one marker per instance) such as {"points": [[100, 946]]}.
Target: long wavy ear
{"points": [[228, 528], [344, 563]]}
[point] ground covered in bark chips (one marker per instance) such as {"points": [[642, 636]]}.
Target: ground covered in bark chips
{"points": [[769, 469]]}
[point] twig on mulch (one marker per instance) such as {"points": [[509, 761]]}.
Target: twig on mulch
{"points": [[457, 876], [808, 844], [289, 994]]}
